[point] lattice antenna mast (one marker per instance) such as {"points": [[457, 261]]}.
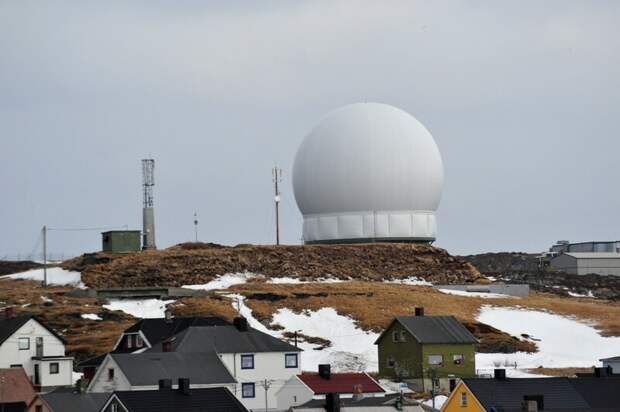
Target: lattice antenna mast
{"points": [[148, 212]]}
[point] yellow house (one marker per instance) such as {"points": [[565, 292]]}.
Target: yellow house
{"points": [[462, 400]]}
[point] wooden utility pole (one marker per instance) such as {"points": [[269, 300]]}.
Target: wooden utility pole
{"points": [[267, 384], [44, 256], [277, 178]]}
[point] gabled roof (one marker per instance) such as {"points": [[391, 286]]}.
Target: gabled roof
{"points": [[507, 395], [612, 359], [145, 369], [8, 326], [340, 383], [159, 329], [226, 339], [602, 394], [434, 329], [70, 400], [15, 386], [204, 400]]}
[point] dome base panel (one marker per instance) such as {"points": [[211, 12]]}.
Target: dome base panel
{"points": [[425, 241]]}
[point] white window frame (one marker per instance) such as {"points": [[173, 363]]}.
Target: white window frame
{"points": [[390, 362], [57, 368], [458, 359], [463, 399], [435, 363], [139, 341], [288, 356], [395, 336], [129, 341], [21, 340]]}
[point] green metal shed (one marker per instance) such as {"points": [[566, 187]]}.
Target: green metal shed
{"points": [[121, 241]]}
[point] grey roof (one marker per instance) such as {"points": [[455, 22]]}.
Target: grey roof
{"points": [[372, 403], [435, 329], [507, 395], [612, 359], [593, 255], [145, 369], [159, 329], [602, 394], [203, 400], [226, 339], [8, 326], [70, 400]]}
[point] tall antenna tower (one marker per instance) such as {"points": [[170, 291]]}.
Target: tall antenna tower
{"points": [[148, 213], [277, 178]]}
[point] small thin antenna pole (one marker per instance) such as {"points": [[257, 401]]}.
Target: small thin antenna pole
{"points": [[44, 256], [277, 178], [196, 226]]}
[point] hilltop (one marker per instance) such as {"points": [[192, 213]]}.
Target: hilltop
{"points": [[193, 263]]}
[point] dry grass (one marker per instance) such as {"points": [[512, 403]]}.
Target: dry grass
{"points": [[568, 372]]}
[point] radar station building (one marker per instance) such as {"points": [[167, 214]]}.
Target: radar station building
{"points": [[368, 172]]}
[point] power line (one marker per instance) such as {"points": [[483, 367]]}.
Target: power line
{"points": [[83, 229]]}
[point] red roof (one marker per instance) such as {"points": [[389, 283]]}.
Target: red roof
{"points": [[15, 386], [341, 383]]}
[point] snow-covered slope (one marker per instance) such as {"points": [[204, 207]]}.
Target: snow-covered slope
{"points": [[140, 308], [55, 276]]}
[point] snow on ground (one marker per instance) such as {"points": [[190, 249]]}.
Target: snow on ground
{"points": [[352, 348], [289, 280], [55, 276], [477, 294], [76, 376], [45, 299], [409, 281], [439, 401], [140, 308], [580, 295], [223, 281], [91, 316], [562, 342]]}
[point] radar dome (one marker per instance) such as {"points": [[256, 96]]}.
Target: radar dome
{"points": [[368, 172]]}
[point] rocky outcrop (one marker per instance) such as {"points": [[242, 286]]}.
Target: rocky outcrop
{"points": [[199, 263]]}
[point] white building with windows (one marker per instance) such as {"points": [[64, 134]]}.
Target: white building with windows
{"points": [[28, 343]]}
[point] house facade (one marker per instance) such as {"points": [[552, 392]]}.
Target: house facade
{"points": [[422, 349], [613, 363], [26, 342]]}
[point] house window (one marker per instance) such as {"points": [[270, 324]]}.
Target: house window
{"points": [[396, 336], [403, 336], [463, 399], [38, 408], [290, 360], [129, 339], [458, 359], [23, 343], [17, 365], [247, 390], [110, 374], [435, 359], [114, 407], [54, 368], [247, 361], [139, 341], [391, 362]]}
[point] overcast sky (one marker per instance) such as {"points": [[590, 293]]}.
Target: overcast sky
{"points": [[522, 97]]}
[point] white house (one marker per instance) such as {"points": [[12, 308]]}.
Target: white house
{"points": [[613, 363], [28, 343], [258, 363]]}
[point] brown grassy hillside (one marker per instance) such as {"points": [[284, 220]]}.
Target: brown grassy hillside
{"points": [[198, 263]]}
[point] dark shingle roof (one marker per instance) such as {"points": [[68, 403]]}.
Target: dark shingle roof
{"points": [[143, 369], [386, 400], [507, 395], [435, 329], [13, 406], [8, 326], [70, 400], [198, 400], [602, 394], [226, 339], [157, 330]]}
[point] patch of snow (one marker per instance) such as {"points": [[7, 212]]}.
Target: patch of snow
{"points": [[223, 281], [580, 295], [289, 280], [91, 316], [439, 401], [562, 342], [352, 349], [492, 278], [140, 308], [55, 276], [412, 280], [476, 294], [46, 299], [76, 376]]}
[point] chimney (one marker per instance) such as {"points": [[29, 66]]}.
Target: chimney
{"points": [[332, 402], [168, 316], [533, 403], [419, 311], [500, 374], [165, 384], [184, 386], [241, 324], [325, 371], [166, 346], [9, 312]]}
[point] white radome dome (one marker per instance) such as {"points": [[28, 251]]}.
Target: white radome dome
{"points": [[368, 172]]}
